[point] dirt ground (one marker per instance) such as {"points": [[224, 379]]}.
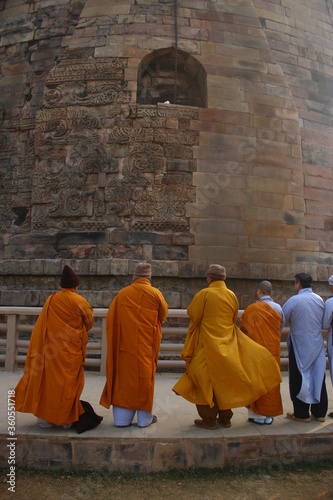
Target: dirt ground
{"points": [[291, 483]]}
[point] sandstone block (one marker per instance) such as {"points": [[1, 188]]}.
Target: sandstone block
{"points": [[257, 242], [162, 252], [211, 226], [312, 445], [53, 267], [215, 254], [247, 448], [171, 455], [223, 240], [210, 211], [256, 272], [262, 256], [187, 269], [37, 266], [104, 267], [265, 199], [173, 299], [310, 246], [132, 451], [171, 268], [270, 229], [224, 104], [157, 268], [52, 453], [87, 453], [19, 37], [147, 252], [208, 453], [218, 182], [97, 9], [268, 185]]}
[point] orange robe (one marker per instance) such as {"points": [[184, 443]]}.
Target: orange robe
{"points": [[53, 378], [134, 334], [262, 324], [221, 361]]}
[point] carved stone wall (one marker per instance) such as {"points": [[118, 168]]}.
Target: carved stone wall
{"points": [[104, 163], [93, 175]]}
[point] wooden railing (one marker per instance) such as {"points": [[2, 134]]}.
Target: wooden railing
{"points": [[17, 324]]}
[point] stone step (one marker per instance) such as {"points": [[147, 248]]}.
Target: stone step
{"points": [[173, 442]]}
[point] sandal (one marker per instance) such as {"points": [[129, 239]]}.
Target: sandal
{"points": [[260, 421], [319, 419], [201, 423], [291, 416], [225, 422]]}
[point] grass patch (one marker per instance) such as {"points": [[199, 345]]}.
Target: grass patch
{"points": [[194, 474]]}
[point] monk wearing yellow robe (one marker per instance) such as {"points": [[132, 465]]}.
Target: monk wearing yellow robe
{"points": [[263, 322], [224, 368], [53, 378], [134, 334]]}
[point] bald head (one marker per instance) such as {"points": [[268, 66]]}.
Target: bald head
{"points": [[265, 287]]}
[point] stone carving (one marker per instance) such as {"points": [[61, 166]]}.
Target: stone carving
{"points": [[7, 142], [77, 94], [72, 70], [178, 151], [176, 136], [101, 161]]}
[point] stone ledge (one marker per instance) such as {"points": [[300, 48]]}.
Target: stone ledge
{"points": [[158, 454], [320, 270]]}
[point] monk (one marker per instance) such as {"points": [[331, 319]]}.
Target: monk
{"points": [[224, 368], [53, 378], [263, 322], [134, 334]]}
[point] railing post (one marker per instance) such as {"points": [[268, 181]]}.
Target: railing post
{"points": [[10, 363], [103, 348]]}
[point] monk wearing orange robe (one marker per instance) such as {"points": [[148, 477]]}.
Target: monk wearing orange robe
{"points": [[263, 322], [134, 334], [53, 378], [224, 368]]}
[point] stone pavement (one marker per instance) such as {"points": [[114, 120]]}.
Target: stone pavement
{"points": [[173, 442]]}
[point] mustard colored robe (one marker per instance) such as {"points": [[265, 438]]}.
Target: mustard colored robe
{"points": [[262, 324], [221, 360], [53, 378], [134, 334]]}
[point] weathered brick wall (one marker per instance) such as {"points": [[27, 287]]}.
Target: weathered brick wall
{"points": [[92, 178]]}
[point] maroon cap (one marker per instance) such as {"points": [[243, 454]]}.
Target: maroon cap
{"points": [[68, 278]]}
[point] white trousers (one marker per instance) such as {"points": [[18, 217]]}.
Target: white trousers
{"points": [[123, 417], [251, 414]]}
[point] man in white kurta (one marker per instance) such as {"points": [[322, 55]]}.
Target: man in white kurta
{"points": [[307, 360], [327, 324]]}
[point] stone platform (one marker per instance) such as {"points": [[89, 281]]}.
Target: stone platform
{"points": [[173, 442]]}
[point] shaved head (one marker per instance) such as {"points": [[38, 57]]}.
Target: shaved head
{"points": [[266, 287]]}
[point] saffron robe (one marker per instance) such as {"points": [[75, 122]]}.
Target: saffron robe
{"points": [[262, 324], [53, 378], [221, 360], [133, 328]]}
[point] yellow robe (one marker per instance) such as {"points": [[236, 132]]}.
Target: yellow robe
{"points": [[221, 360], [133, 328], [53, 378], [262, 324]]}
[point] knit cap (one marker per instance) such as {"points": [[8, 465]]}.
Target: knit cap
{"points": [[217, 271], [142, 270]]}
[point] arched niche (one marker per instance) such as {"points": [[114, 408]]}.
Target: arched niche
{"points": [[156, 79]]}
